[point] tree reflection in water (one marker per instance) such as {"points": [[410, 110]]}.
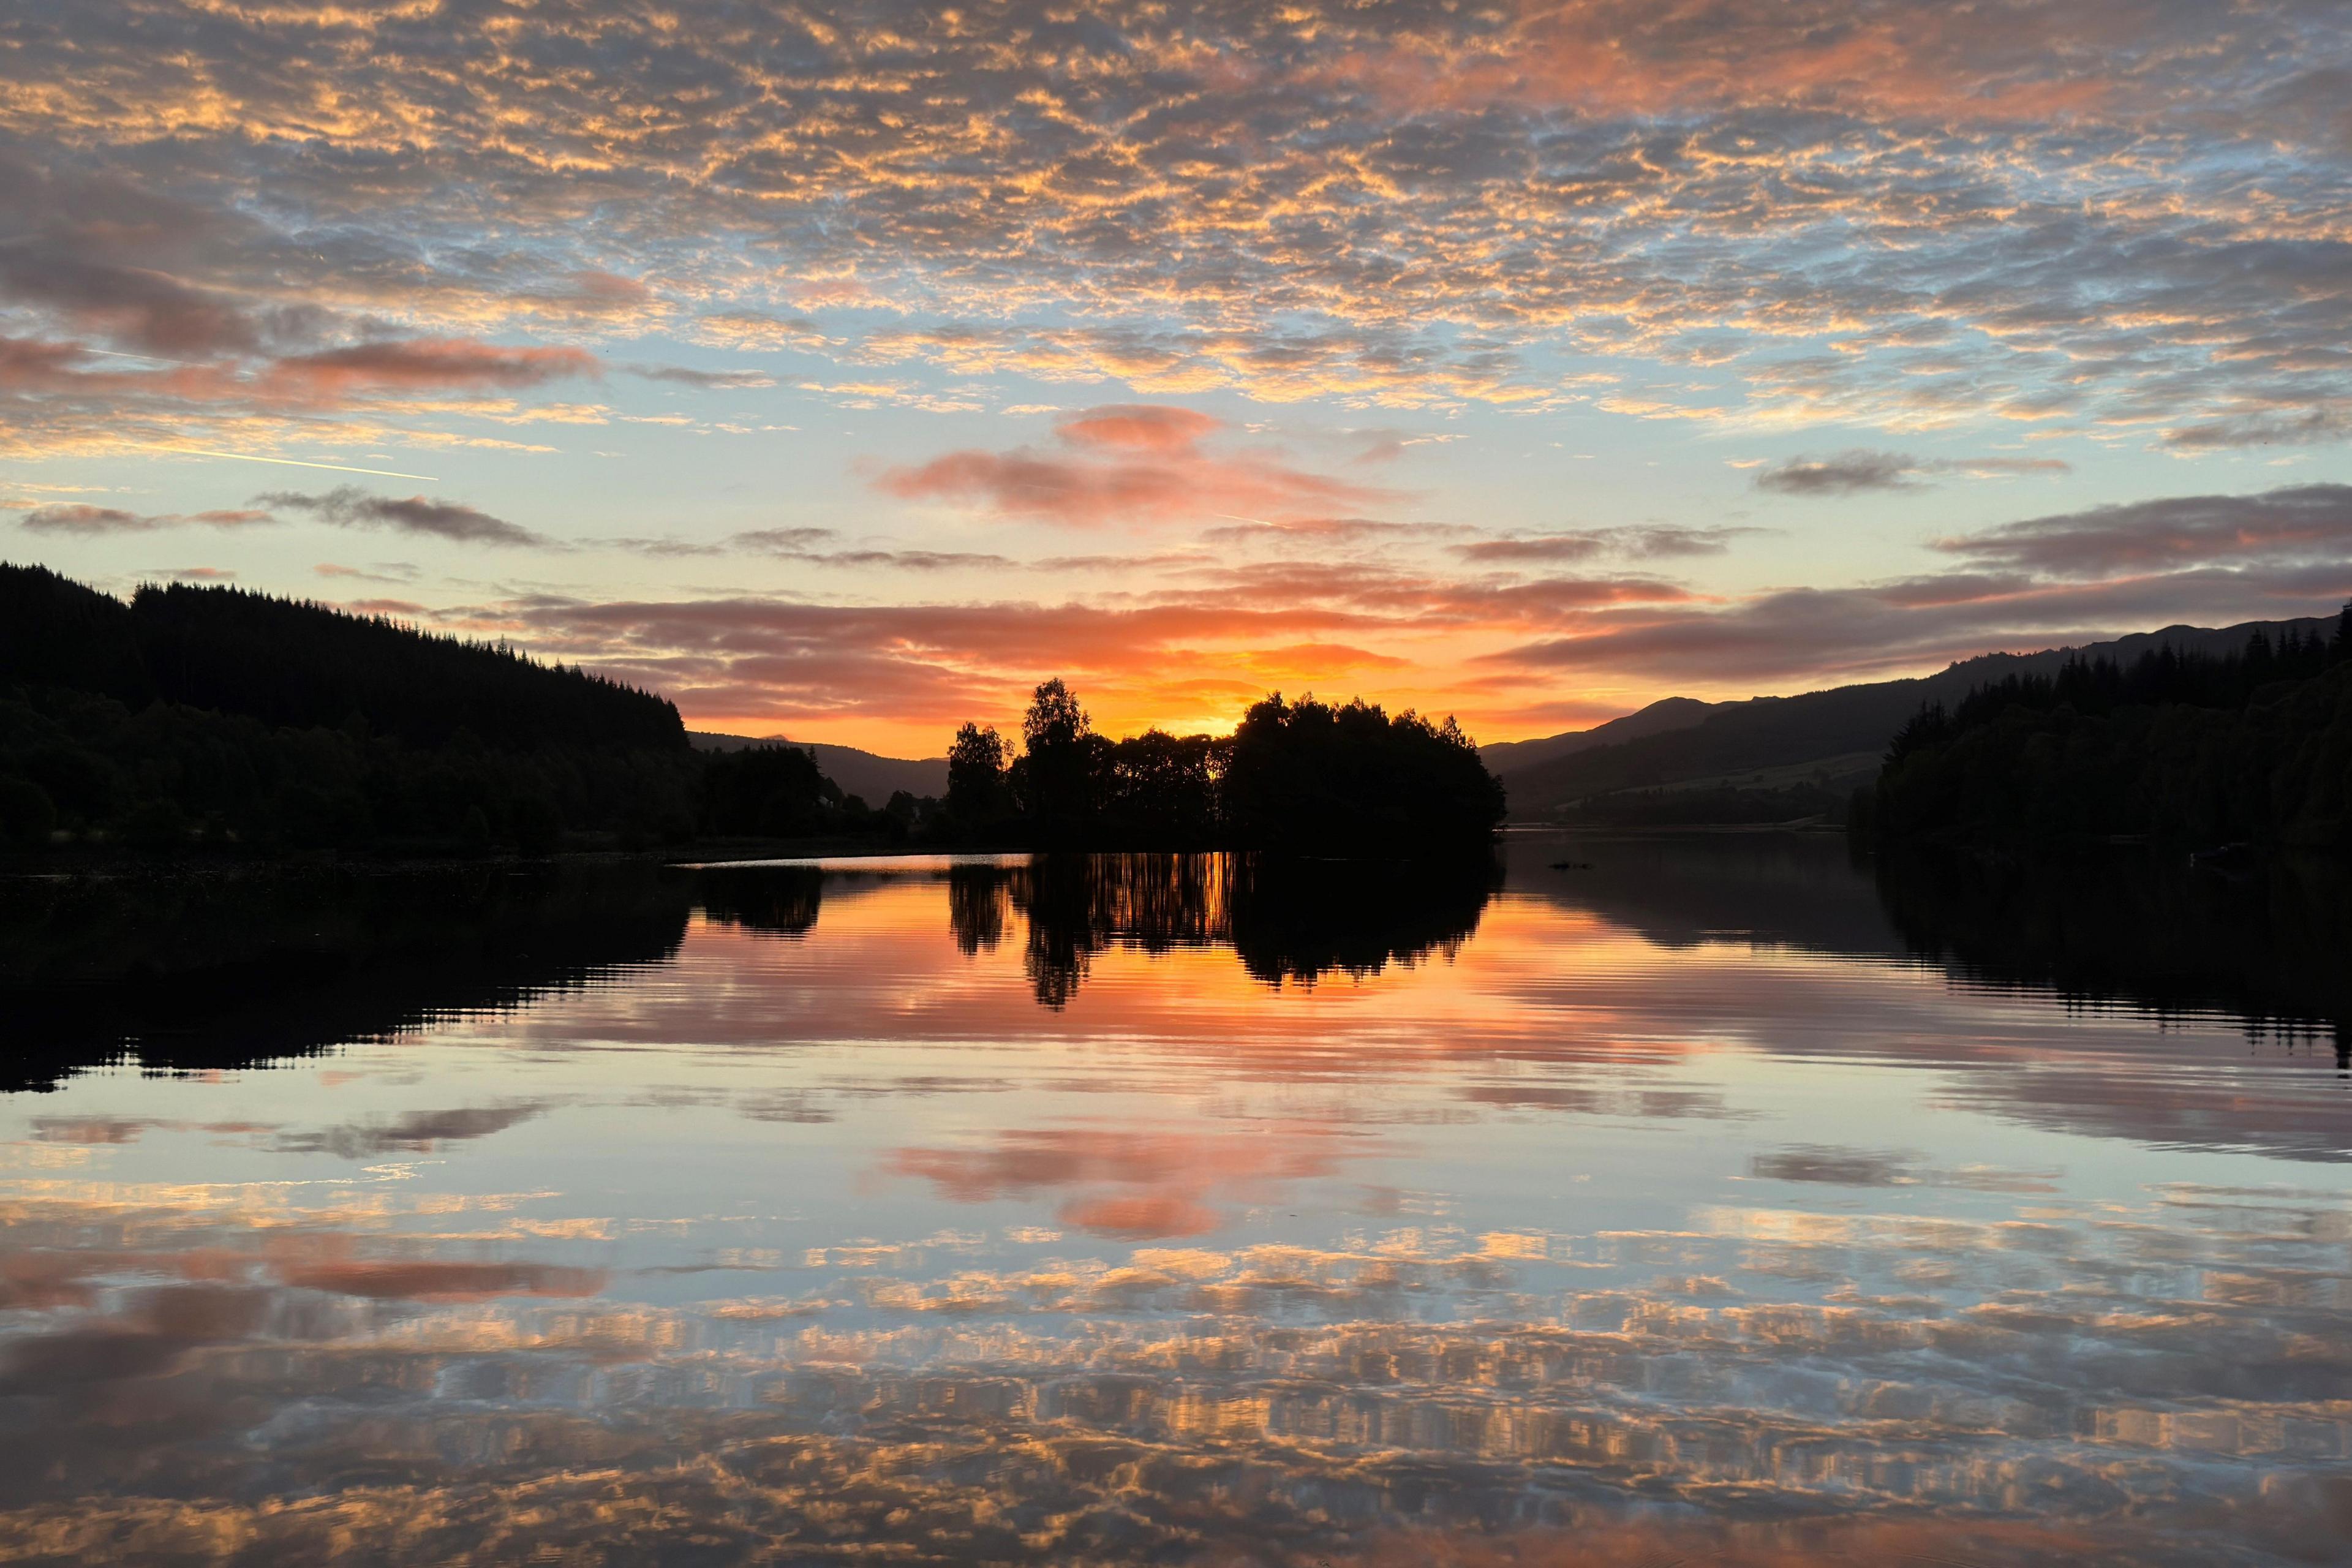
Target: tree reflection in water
{"points": [[1289, 920], [205, 969], [775, 900], [2261, 940], [2266, 940]]}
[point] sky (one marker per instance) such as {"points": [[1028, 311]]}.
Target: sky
{"points": [[841, 372]]}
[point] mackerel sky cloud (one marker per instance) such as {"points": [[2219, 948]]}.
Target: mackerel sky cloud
{"points": [[1527, 362]]}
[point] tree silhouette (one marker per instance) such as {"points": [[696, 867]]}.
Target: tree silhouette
{"points": [[1053, 782], [978, 799]]}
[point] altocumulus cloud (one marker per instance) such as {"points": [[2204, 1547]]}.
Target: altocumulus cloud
{"points": [[348, 506], [1784, 165]]}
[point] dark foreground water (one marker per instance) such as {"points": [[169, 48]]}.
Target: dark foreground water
{"points": [[1705, 1201]]}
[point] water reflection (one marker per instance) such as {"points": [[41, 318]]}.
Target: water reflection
{"points": [[1287, 920], [1727, 1202], [2266, 940], [2262, 940], [195, 972], [780, 901]]}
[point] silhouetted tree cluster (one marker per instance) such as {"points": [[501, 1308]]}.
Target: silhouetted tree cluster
{"points": [[217, 715], [979, 796], [1311, 776], [2254, 746], [1306, 776]]}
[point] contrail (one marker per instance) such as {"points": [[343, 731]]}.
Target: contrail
{"points": [[290, 462]]}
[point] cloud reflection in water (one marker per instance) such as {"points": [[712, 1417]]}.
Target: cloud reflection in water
{"points": [[1613, 1225]]}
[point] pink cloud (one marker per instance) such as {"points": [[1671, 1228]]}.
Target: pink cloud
{"points": [[422, 362], [1129, 462], [1142, 426]]}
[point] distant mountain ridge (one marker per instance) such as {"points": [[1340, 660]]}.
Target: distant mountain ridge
{"points": [[1833, 737], [872, 778], [1505, 757]]}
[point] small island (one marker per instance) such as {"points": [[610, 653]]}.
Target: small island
{"points": [[1306, 776]]}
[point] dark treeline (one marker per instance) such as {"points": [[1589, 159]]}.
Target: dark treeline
{"points": [[216, 716], [1303, 776], [2253, 747], [285, 663]]}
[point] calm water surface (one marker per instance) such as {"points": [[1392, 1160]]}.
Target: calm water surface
{"points": [[1708, 1201]]}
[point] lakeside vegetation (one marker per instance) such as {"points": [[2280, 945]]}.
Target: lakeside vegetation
{"points": [[1304, 777], [2252, 747]]}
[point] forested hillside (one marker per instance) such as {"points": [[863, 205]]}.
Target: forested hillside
{"points": [[2253, 746], [215, 716], [304, 665]]}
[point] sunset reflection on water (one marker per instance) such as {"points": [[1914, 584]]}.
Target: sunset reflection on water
{"points": [[1172, 1211]]}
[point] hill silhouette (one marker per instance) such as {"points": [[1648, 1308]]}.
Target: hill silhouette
{"points": [[865, 774], [1781, 758], [221, 717], [305, 666]]}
